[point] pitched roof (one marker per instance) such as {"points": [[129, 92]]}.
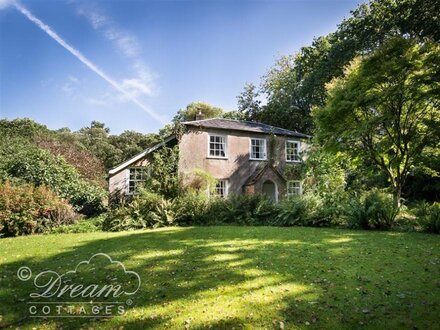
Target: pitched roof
{"points": [[258, 173], [140, 155], [242, 125]]}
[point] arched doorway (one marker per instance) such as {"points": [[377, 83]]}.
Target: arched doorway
{"points": [[270, 190]]}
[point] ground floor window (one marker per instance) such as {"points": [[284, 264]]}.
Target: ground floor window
{"points": [[221, 188], [294, 188], [136, 177]]}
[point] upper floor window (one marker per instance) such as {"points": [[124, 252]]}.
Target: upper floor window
{"points": [[136, 177], [221, 188], [217, 146], [294, 188], [258, 149], [292, 151]]}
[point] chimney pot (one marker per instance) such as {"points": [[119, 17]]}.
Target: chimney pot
{"points": [[200, 116]]}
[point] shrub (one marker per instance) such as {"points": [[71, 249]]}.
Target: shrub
{"points": [[292, 212], [26, 163], [146, 210], [374, 210], [83, 226], [193, 208], [26, 209], [429, 217], [247, 210]]}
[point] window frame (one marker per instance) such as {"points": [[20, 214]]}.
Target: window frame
{"points": [[298, 144], [225, 137], [144, 170], [250, 148], [300, 190], [226, 188]]}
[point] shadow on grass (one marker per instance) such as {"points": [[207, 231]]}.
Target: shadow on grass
{"points": [[254, 277]]}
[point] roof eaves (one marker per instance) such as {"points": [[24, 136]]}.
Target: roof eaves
{"points": [[140, 155]]}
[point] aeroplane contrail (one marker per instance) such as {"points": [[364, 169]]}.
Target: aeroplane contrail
{"points": [[46, 28]]}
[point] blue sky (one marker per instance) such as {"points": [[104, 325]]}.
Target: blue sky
{"points": [[144, 60]]}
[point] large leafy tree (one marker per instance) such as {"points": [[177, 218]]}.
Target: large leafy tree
{"points": [[386, 109], [296, 83], [248, 103]]}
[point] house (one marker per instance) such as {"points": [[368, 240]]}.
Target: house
{"points": [[245, 157]]}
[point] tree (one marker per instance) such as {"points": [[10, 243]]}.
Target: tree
{"points": [[96, 139], [131, 143], [386, 108], [297, 83], [194, 108], [248, 103]]}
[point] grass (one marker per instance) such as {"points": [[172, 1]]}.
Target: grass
{"points": [[244, 277]]}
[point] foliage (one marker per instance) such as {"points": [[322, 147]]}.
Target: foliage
{"points": [[91, 150], [292, 212], [286, 105], [87, 164], [26, 209], [194, 108], [23, 127], [191, 208], [162, 177], [296, 83], [374, 210], [23, 162], [201, 181], [89, 225], [386, 108], [146, 210], [428, 216], [248, 103], [245, 210]]}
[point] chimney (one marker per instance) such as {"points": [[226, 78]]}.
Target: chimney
{"points": [[200, 116]]}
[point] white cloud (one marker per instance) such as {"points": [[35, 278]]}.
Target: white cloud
{"points": [[70, 87], [46, 28], [143, 81], [6, 3], [126, 43]]}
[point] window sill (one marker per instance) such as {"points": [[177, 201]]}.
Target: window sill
{"points": [[213, 157], [293, 161], [260, 159]]}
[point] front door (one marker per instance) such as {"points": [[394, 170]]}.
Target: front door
{"points": [[270, 190]]}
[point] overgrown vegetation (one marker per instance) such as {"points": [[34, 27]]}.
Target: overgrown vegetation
{"points": [[26, 209]]}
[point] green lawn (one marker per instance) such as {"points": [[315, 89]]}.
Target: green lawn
{"points": [[244, 277]]}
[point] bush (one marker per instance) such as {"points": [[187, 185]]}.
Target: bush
{"points": [[429, 217], [247, 210], [26, 209], [374, 210], [192, 208], [146, 210], [83, 226], [26, 163], [292, 212]]}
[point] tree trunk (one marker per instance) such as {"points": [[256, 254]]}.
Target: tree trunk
{"points": [[397, 194]]}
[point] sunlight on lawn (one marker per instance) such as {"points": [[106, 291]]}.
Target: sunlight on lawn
{"points": [[245, 277]]}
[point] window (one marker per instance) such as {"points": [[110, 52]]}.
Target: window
{"points": [[136, 177], [292, 151], [258, 149], [293, 188], [217, 146], [221, 188]]}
